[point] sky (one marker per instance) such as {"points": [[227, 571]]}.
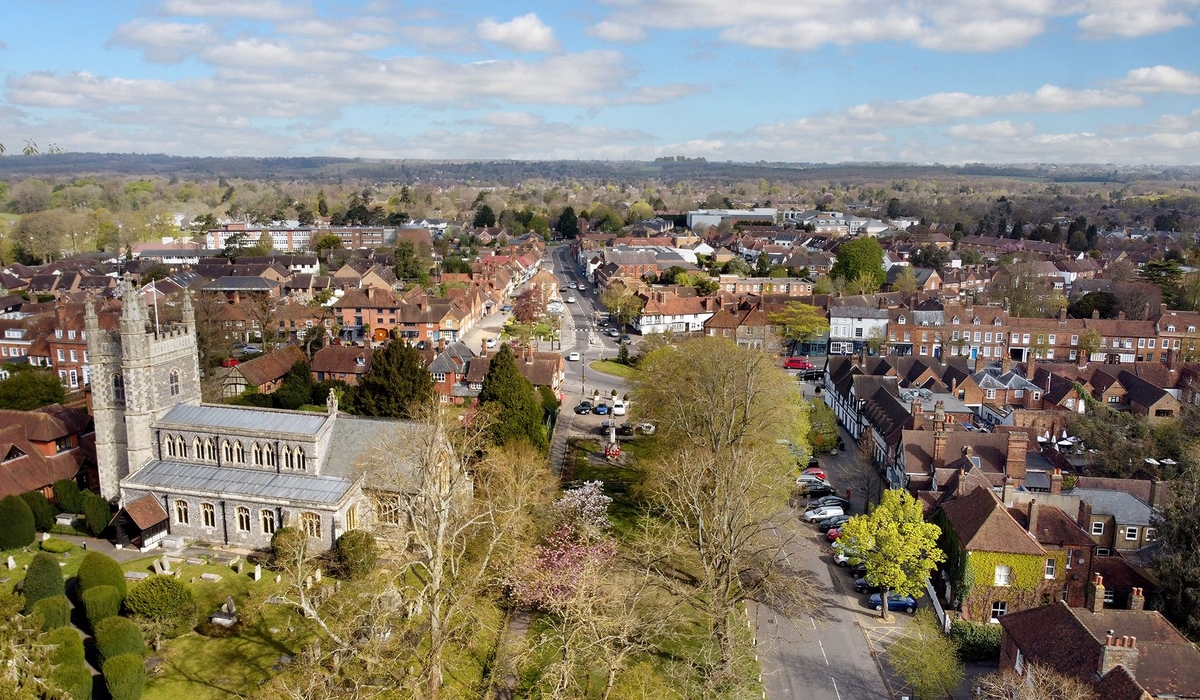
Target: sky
{"points": [[917, 81]]}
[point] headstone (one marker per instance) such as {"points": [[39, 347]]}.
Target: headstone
{"points": [[317, 575], [65, 519], [210, 577], [257, 571], [308, 582], [236, 560], [136, 575], [278, 578], [178, 573], [45, 536], [166, 564], [12, 563], [194, 561], [158, 567], [223, 618], [241, 567], [229, 606]]}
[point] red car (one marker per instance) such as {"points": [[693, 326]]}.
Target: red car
{"points": [[820, 474], [833, 534], [798, 363]]}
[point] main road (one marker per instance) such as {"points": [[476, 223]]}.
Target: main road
{"points": [[581, 333]]}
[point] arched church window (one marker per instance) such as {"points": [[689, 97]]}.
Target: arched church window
{"points": [[118, 383], [301, 460], [243, 519], [174, 382], [311, 524], [197, 451], [170, 445], [210, 450], [181, 512], [226, 451], [287, 458], [239, 455], [256, 452], [269, 455], [180, 447], [210, 514], [268, 521]]}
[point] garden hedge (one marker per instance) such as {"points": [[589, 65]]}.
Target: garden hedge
{"points": [[100, 570], [163, 599], [116, 636], [975, 641], [43, 512], [43, 580], [125, 676], [55, 612], [67, 496], [17, 527], [75, 679], [96, 512], [357, 553], [101, 603], [56, 545], [68, 646]]}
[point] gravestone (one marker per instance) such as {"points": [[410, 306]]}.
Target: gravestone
{"points": [[308, 582], [240, 567], [166, 564], [236, 560], [194, 561], [136, 575], [257, 571], [12, 563], [223, 618], [229, 607], [213, 578], [278, 578], [317, 575], [45, 536], [157, 567]]}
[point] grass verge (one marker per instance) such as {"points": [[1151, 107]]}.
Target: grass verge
{"points": [[614, 368]]}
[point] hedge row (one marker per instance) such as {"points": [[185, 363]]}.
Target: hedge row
{"points": [[55, 612], [975, 641]]}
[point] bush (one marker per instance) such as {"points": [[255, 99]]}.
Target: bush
{"points": [[125, 676], [75, 679], [17, 527], [56, 545], [43, 580], [289, 545], [97, 512], [68, 646], [43, 512], [55, 612], [68, 496], [163, 599], [99, 570], [116, 636], [976, 642], [101, 603], [357, 553]]}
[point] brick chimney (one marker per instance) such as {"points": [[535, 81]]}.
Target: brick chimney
{"points": [[1121, 315], [1137, 601], [1014, 465], [918, 413], [1033, 518], [1096, 594], [1158, 492], [1085, 515], [1119, 651], [939, 415], [1095, 314], [1056, 479], [1005, 364], [1062, 314], [939, 449]]}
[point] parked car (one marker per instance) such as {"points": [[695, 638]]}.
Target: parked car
{"points": [[573, 357], [813, 463], [861, 586], [571, 299], [815, 490], [830, 501], [894, 602], [618, 407], [573, 285], [625, 338], [797, 363], [506, 307], [823, 512], [842, 556], [491, 343], [582, 288], [646, 428], [613, 333], [833, 534], [601, 409], [858, 570], [229, 362], [626, 429], [810, 479], [584, 408], [814, 471], [829, 523]]}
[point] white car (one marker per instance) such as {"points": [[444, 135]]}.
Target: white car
{"points": [[816, 514], [573, 285], [618, 407], [490, 343], [810, 479], [573, 357], [571, 299]]}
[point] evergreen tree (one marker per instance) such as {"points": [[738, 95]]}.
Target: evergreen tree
{"points": [[17, 526], [484, 216], [520, 414], [43, 580], [396, 383], [296, 388], [762, 267], [568, 223]]}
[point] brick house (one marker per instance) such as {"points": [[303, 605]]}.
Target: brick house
{"points": [[264, 373], [42, 446], [341, 362]]}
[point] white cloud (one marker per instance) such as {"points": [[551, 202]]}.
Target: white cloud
{"points": [[163, 42], [1141, 18], [991, 131], [266, 10], [617, 32], [1161, 79], [527, 33]]}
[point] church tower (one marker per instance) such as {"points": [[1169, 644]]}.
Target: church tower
{"points": [[139, 372]]}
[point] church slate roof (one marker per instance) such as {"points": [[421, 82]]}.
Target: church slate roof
{"points": [[161, 475], [256, 419]]}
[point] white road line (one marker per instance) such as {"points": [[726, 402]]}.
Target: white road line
{"points": [[835, 690], [814, 622], [823, 652]]}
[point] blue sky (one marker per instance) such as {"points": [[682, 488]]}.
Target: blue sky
{"points": [[950, 81]]}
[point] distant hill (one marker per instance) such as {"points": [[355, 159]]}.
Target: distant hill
{"points": [[508, 172]]}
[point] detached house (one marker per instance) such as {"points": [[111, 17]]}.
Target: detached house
{"points": [[341, 362], [669, 311]]}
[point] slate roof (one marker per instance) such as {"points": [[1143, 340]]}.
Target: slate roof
{"points": [[1125, 508], [232, 283], [983, 524], [160, 475], [210, 416]]}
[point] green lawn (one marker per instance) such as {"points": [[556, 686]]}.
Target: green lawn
{"points": [[613, 368]]}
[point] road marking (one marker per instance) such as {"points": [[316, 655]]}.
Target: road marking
{"points": [[823, 652], [835, 689], [814, 622]]}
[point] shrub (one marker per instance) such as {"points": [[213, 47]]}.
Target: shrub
{"points": [[75, 679], [68, 646], [55, 612], [43, 512], [56, 545], [357, 553], [101, 603], [116, 636], [125, 676], [289, 545], [97, 512], [68, 496], [17, 527], [99, 570], [976, 642], [163, 599], [43, 580]]}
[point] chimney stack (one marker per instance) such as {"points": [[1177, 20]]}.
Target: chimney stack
{"points": [[1095, 314], [1033, 517], [1121, 315], [939, 415], [1096, 593], [1158, 492], [1056, 479], [918, 413], [1014, 465], [1118, 651], [1062, 315], [1137, 601], [939, 449], [1005, 364]]}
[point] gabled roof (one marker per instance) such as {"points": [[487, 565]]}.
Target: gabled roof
{"points": [[146, 512], [270, 367], [1054, 527], [983, 524]]}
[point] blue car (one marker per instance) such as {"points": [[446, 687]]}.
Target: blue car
{"points": [[601, 409], [895, 602]]}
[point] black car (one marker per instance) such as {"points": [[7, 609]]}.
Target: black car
{"points": [[584, 408], [625, 338], [830, 501], [861, 586], [829, 523], [625, 429], [817, 490], [858, 570], [813, 463]]}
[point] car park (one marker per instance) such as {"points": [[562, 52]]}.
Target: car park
{"points": [[584, 408], [823, 512], [601, 409], [573, 357], [797, 363], [894, 602]]}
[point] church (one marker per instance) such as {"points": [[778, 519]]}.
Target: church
{"points": [[211, 473]]}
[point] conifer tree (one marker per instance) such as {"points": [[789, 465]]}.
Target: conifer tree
{"points": [[396, 383], [520, 414]]}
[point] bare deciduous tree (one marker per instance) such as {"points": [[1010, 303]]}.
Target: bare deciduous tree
{"points": [[1038, 682]]}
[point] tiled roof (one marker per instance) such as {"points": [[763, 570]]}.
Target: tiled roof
{"points": [[342, 359], [146, 512], [1054, 527], [983, 524], [270, 367]]}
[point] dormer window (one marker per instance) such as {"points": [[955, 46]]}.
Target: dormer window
{"points": [[1191, 329], [996, 321], [1170, 329], [14, 453], [975, 321], [360, 361], [58, 333], [900, 320], [71, 335], [955, 320]]}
